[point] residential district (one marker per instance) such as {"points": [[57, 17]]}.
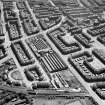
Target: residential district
{"points": [[52, 52]]}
